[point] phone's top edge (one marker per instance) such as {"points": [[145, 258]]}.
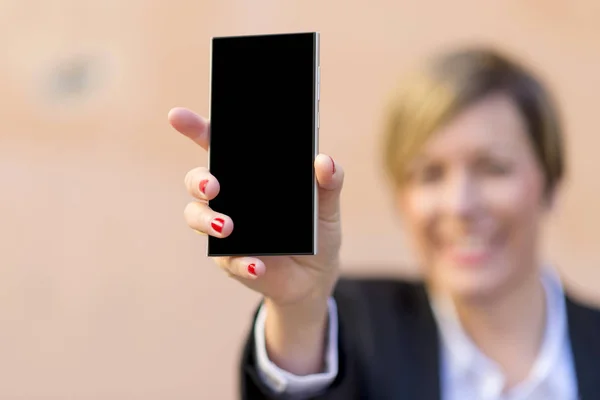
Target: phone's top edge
{"points": [[265, 35]]}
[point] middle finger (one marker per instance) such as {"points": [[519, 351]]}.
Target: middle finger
{"points": [[202, 184], [200, 217]]}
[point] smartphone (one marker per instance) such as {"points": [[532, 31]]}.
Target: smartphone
{"points": [[264, 125]]}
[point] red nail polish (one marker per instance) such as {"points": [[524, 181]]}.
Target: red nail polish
{"points": [[217, 224], [252, 269], [203, 184], [333, 164]]}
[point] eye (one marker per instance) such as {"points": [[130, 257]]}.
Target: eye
{"points": [[495, 167], [428, 173]]}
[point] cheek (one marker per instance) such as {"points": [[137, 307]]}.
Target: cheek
{"points": [[420, 206], [515, 207], [419, 209], [518, 198]]}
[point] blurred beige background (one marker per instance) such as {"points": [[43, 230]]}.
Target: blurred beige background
{"points": [[104, 292]]}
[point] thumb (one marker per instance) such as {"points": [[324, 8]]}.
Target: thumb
{"points": [[330, 177]]}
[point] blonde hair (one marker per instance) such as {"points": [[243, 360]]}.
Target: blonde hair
{"points": [[449, 83]]}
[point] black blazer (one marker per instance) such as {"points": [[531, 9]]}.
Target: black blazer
{"points": [[389, 347]]}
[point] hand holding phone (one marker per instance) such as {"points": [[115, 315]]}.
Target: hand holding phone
{"points": [[288, 278]]}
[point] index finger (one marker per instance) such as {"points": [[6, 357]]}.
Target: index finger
{"points": [[191, 125]]}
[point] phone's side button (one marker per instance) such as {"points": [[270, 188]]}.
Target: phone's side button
{"points": [[319, 83]]}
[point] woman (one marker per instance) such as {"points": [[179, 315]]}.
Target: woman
{"points": [[475, 155]]}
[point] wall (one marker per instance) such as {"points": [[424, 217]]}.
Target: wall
{"points": [[104, 292]]}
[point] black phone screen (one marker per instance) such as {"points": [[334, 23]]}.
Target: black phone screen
{"points": [[263, 142]]}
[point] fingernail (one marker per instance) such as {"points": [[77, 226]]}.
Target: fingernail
{"points": [[217, 224], [199, 232], [202, 185], [333, 165], [252, 269]]}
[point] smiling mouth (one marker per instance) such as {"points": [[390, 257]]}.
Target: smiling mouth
{"points": [[470, 251]]}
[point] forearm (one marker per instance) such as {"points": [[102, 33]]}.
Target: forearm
{"points": [[296, 335]]}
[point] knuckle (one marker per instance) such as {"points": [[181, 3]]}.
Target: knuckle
{"points": [[188, 214], [194, 213], [224, 263], [193, 175], [187, 179], [188, 210], [229, 274], [234, 266]]}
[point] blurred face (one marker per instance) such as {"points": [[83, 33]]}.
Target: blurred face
{"points": [[473, 201]]}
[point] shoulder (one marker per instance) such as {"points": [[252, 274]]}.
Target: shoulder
{"points": [[583, 312], [583, 327], [387, 327], [381, 296], [378, 288]]}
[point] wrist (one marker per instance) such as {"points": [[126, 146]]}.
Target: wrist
{"points": [[309, 312], [309, 308], [296, 334]]}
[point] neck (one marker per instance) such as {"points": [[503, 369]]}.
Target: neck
{"points": [[509, 327]]}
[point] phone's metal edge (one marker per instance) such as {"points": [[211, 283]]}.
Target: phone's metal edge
{"points": [[210, 63], [317, 86], [252, 35]]}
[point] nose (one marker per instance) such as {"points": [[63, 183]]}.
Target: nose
{"points": [[460, 195]]}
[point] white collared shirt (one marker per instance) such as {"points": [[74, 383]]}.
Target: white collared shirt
{"points": [[467, 374]]}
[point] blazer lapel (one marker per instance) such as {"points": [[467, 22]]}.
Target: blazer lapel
{"points": [[426, 365], [584, 333], [417, 372]]}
